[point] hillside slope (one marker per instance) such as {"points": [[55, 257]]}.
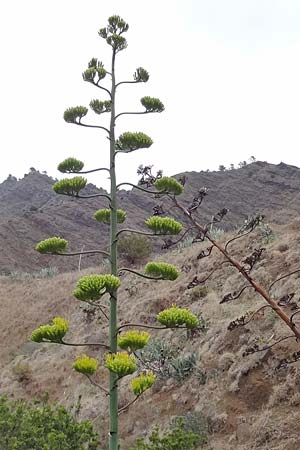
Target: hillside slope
{"points": [[244, 402], [30, 211]]}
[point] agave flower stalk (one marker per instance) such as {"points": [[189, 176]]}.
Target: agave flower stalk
{"points": [[91, 288]]}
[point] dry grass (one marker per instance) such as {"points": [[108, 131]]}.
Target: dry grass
{"points": [[247, 402]]}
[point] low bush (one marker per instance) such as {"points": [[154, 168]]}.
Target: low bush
{"points": [[178, 437], [134, 248], [22, 372], [42, 427]]}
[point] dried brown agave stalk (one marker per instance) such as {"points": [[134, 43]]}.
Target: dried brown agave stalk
{"points": [[244, 271], [244, 267]]}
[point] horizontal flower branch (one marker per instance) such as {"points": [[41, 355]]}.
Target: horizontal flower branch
{"points": [[85, 252], [148, 277], [96, 384]]}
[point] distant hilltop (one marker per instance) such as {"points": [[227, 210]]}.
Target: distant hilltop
{"points": [[31, 211]]}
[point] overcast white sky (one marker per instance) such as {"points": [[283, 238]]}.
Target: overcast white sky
{"points": [[228, 72]]}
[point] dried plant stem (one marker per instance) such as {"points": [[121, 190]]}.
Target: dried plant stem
{"points": [[278, 310], [128, 404], [96, 384]]}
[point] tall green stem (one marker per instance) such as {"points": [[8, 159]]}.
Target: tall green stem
{"points": [[113, 389]]}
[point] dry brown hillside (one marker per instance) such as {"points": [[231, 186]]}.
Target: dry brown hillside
{"points": [[245, 402], [30, 211]]}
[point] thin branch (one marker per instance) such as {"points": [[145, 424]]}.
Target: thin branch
{"points": [[238, 236], [140, 188], [86, 252], [240, 322], [293, 315], [202, 254], [129, 230], [285, 362], [139, 112], [284, 276], [98, 344], [91, 126], [217, 218], [249, 226], [256, 349], [73, 344], [126, 82], [93, 196], [103, 312], [99, 306], [141, 325], [103, 88], [170, 243], [126, 269], [195, 282], [86, 196], [96, 384], [129, 404], [89, 171], [229, 297]]}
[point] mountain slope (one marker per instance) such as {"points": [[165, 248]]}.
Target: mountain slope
{"points": [[245, 402], [31, 211]]}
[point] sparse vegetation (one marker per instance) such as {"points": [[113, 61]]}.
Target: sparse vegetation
{"points": [[46, 272], [267, 234], [198, 292], [135, 248], [22, 372], [235, 379]]}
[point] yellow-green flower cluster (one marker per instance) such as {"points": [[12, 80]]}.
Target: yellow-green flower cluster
{"points": [[52, 245], [69, 186], [86, 365], [103, 215], [70, 165], [75, 114], [52, 332], [161, 270], [163, 225], [152, 104], [128, 142], [121, 363], [141, 75], [143, 382], [176, 316], [92, 287], [95, 71], [100, 107], [133, 340], [168, 184]]}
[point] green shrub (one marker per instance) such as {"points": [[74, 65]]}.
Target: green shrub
{"points": [[176, 438], [43, 427], [134, 248], [22, 372], [192, 421], [198, 292]]}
